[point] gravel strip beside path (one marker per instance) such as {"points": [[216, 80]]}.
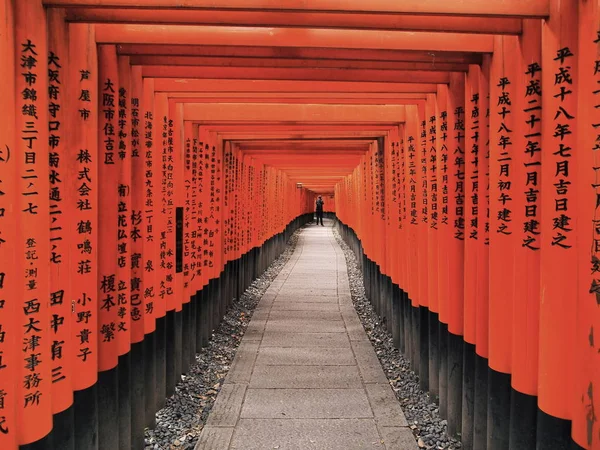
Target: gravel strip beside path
{"points": [[179, 423], [421, 413]]}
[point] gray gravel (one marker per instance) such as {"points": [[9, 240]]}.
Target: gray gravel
{"points": [[179, 423], [421, 413]]}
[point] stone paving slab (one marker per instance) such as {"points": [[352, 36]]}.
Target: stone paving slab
{"points": [[306, 404], [275, 339], [386, 408], [228, 405], [308, 377], [304, 306], [369, 366], [306, 292], [397, 438], [304, 314], [306, 298], [305, 326], [305, 375], [312, 356], [214, 438], [243, 363], [306, 434]]}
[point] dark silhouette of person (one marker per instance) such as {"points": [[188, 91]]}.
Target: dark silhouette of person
{"points": [[320, 204]]}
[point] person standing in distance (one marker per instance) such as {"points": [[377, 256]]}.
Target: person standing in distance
{"points": [[320, 204]]}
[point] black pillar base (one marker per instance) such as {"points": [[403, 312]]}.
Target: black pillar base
{"points": [[178, 361], [424, 348], [125, 402], [137, 396], [396, 315], [160, 361], [455, 369], [523, 421], [498, 427], [186, 341], [468, 394], [42, 444], [480, 403], [62, 434], [434, 356], [170, 354], [416, 334], [108, 409], [443, 349], [150, 382], [85, 409], [553, 433]]}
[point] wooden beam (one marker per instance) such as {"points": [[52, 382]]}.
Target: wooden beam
{"points": [[216, 85], [300, 53], [315, 100], [266, 128], [292, 37], [294, 74], [293, 113], [276, 97], [147, 60], [363, 21], [510, 8]]}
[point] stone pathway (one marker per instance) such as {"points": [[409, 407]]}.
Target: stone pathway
{"points": [[305, 375]]}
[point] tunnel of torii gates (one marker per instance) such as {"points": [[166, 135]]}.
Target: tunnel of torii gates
{"points": [[156, 155]]}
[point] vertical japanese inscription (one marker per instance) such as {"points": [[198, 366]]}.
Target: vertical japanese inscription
{"points": [[562, 152], [84, 159], [473, 162], [108, 200], [443, 169], [412, 180], [60, 195], [504, 159], [432, 173], [169, 211], [136, 219], [459, 174], [34, 209], [533, 135], [423, 170], [123, 164]]}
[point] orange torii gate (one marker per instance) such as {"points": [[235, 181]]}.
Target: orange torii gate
{"points": [[159, 175]]}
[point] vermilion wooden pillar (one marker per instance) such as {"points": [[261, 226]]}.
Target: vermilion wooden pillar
{"points": [[560, 226], [585, 430], [9, 163], [503, 128], [456, 204], [150, 248], [33, 376], [431, 146], [480, 409], [443, 158], [123, 167], [472, 211], [175, 227], [83, 136], [62, 206], [137, 235], [527, 234], [423, 199], [165, 367], [108, 97], [414, 214]]}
